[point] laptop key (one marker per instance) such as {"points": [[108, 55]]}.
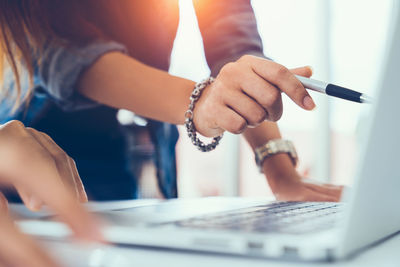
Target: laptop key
{"points": [[280, 217]]}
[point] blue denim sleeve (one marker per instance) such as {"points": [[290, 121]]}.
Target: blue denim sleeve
{"points": [[60, 68]]}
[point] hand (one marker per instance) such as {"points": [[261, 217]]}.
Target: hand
{"points": [[17, 249], [288, 185], [302, 189], [247, 92], [297, 188], [43, 175]]}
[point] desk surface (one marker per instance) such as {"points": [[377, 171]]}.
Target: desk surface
{"points": [[384, 255]]}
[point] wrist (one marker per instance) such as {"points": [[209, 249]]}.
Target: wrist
{"points": [[279, 170], [273, 147], [189, 116]]}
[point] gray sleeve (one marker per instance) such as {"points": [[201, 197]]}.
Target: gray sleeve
{"points": [[60, 68], [229, 31]]}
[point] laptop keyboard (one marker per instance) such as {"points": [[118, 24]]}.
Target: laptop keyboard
{"points": [[279, 217]]}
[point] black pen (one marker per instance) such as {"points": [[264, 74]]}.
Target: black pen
{"points": [[333, 90]]}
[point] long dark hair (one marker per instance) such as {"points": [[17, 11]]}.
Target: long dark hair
{"points": [[27, 25]]}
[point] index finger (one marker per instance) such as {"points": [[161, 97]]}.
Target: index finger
{"points": [[284, 79], [65, 165], [17, 249], [42, 179], [3, 204]]}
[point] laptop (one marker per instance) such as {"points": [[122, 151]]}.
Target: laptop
{"points": [[309, 231]]}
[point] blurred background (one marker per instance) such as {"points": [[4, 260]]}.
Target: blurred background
{"points": [[343, 40]]}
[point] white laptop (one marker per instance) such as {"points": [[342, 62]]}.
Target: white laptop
{"points": [[290, 230]]}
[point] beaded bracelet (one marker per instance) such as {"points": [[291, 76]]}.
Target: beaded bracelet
{"points": [[191, 130]]}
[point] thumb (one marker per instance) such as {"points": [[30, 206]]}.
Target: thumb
{"points": [[3, 204], [303, 71]]}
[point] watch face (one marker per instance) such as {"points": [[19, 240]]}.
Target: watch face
{"points": [[274, 147]]}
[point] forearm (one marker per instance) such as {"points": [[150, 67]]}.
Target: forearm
{"points": [[244, 93], [278, 167], [262, 134], [120, 81]]}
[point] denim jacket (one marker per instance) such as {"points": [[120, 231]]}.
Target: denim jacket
{"points": [[145, 30]]}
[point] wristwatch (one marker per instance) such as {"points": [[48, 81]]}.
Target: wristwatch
{"points": [[274, 147]]}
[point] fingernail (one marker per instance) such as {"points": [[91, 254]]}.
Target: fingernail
{"points": [[93, 234], [35, 204], [92, 231], [308, 103], [312, 69]]}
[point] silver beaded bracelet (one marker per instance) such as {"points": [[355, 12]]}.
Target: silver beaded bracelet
{"points": [[191, 130]]}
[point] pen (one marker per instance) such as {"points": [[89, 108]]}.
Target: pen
{"points": [[333, 90]]}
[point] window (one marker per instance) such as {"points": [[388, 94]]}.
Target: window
{"points": [[343, 44]]}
